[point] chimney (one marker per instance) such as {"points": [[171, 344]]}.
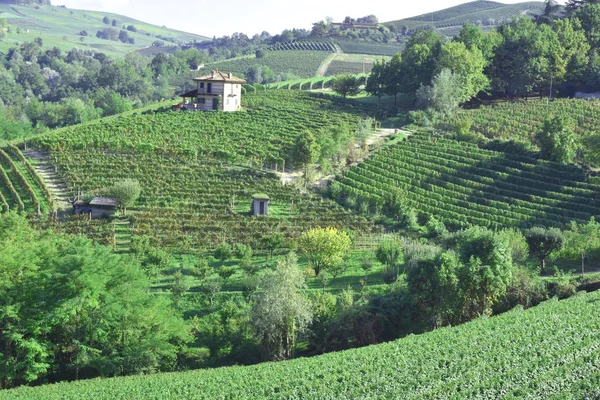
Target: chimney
{"points": [[213, 74], [230, 76]]}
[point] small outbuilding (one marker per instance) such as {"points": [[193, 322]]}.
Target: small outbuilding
{"points": [[260, 204], [98, 207]]}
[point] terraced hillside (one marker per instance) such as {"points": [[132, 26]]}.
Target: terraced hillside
{"points": [[190, 189], [550, 351], [463, 185], [481, 12], [61, 27], [21, 188], [520, 121], [301, 63]]}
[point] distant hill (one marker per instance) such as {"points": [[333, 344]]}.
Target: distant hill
{"points": [[63, 28], [480, 12]]}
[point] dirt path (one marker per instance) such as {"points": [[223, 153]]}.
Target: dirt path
{"points": [[325, 64]]}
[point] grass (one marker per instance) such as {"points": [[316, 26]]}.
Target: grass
{"points": [[60, 27]]}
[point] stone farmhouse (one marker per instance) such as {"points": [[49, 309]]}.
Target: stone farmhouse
{"points": [[217, 91]]}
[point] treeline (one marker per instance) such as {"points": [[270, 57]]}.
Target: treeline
{"points": [[51, 88], [517, 59]]}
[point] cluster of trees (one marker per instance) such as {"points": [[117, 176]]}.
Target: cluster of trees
{"points": [[518, 58], [114, 35], [51, 88]]}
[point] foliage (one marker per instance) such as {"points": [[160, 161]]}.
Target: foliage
{"points": [[557, 140], [127, 191], [324, 247], [346, 85], [544, 242], [388, 253], [516, 344], [281, 311], [73, 309]]}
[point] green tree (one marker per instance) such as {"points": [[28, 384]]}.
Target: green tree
{"points": [[126, 191], [306, 152], [376, 82], [223, 252], [281, 311], [581, 239], [432, 278], [556, 140], [444, 94], [324, 247], [346, 85], [467, 65], [273, 242], [388, 253], [543, 242]]}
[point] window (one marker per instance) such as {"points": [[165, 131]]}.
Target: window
{"points": [[201, 85], [227, 101], [201, 100], [209, 87]]}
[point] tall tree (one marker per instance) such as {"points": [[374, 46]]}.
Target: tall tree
{"points": [[543, 242], [556, 140], [282, 310], [306, 152], [324, 247], [468, 66]]}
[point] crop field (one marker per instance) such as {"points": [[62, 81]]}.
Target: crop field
{"points": [[21, 188], [304, 46], [520, 121], [304, 64], [263, 133], [488, 13], [377, 49], [550, 351], [202, 202], [464, 185]]}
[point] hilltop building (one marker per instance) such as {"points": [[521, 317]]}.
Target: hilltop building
{"points": [[217, 91], [98, 207]]}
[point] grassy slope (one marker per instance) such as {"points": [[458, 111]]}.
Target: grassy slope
{"points": [[550, 351], [470, 12], [59, 27]]}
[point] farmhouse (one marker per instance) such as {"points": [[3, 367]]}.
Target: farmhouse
{"points": [[98, 207], [217, 91]]}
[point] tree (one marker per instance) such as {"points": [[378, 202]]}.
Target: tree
{"points": [[376, 81], [388, 253], [543, 242], [556, 140], [444, 95], [467, 65], [126, 191], [581, 239], [106, 20], [324, 247], [223, 252], [346, 85], [282, 311], [273, 242], [551, 8], [305, 152], [432, 278]]}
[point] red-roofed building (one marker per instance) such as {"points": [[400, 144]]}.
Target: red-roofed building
{"points": [[217, 91]]}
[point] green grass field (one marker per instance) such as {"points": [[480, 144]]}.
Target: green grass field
{"points": [[549, 351], [60, 27]]}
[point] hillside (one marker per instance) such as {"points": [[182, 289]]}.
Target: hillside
{"points": [[550, 351], [481, 12], [461, 184], [61, 27]]}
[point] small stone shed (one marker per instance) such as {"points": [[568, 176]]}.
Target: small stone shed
{"points": [[98, 207], [260, 204]]}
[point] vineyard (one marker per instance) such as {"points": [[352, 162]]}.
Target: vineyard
{"points": [[463, 185], [201, 203], [550, 351], [264, 133], [304, 64], [520, 121], [21, 188], [304, 46], [376, 49]]}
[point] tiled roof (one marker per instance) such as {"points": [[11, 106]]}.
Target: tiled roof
{"points": [[218, 76]]}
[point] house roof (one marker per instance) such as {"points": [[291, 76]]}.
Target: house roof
{"points": [[191, 93], [260, 196], [104, 201], [218, 76]]}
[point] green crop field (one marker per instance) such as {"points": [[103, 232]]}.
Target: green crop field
{"points": [[520, 121], [304, 64], [464, 185], [305, 45], [373, 49], [60, 27], [486, 13], [550, 351]]}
